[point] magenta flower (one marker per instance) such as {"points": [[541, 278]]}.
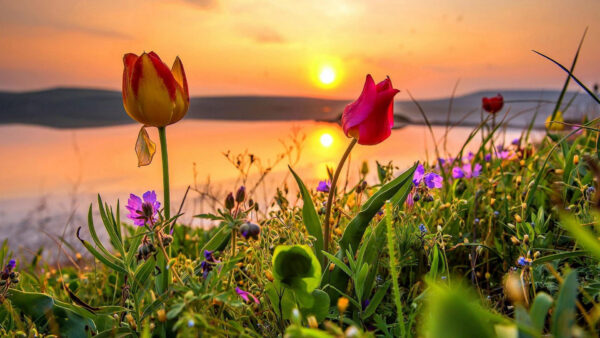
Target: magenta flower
{"points": [[324, 186], [370, 118], [143, 212], [433, 180], [246, 295], [418, 175]]}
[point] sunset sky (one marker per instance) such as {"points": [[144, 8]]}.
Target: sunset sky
{"points": [[279, 47]]}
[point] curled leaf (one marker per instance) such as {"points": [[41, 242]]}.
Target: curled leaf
{"points": [[144, 148]]}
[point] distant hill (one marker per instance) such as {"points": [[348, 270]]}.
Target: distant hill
{"points": [[79, 108]]}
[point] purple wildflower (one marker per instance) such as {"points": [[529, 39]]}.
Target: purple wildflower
{"points": [[324, 186], [422, 229], [365, 303], [522, 261], [208, 263], [476, 170], [433, 180], [419, 173], [457, 173], [143, 212], [516, 142], [470, 156], [246, 295], [487, 157]]}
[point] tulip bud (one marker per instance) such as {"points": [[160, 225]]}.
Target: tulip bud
{"points": [[364, 120], [240, 196], [229, 201], [153, 94]]}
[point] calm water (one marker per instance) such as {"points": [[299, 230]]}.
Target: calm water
{"points": [[49, 176]]}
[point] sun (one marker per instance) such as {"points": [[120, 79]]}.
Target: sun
{"points": [[327, 75], [326, 140]]}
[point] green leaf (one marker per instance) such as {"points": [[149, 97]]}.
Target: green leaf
{"points": [[310, 217], [563, 317], [41, 308], [356, 228], [297, 268], [320, 307], [376, 300], [396, 191], [115, 265], [454, 313], [583, 236], [539, 310], [221, 236], [338, 262]]}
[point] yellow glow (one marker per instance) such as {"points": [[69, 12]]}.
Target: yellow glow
{"points": [[327, 75], [326, 140]]}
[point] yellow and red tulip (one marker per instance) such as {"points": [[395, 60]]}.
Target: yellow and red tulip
{"points": [[153, 94]]}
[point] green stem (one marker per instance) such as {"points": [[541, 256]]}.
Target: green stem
{"points": [[165, 164], [338, 170], [162, 281]]}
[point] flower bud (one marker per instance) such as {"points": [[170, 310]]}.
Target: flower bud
{"points": [[513, 288], [342, 304], [514, 240], [229, 201], [312, 322], [576, 159], [161, 314], [240, 196], [364, 169], [526, 238]]}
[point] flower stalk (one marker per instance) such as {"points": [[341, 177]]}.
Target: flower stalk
{"points": [[163, 279], [336, 175]]}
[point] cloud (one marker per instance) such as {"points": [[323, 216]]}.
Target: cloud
{"points": [[264, 35], [204, 4]]}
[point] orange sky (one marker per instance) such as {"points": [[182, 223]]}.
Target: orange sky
{"points": [[276, 47]]}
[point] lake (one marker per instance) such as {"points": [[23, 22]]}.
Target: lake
{"points": [[50, 176]]}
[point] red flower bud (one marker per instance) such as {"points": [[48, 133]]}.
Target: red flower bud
{"points": [[492, 105], [370, 118]]}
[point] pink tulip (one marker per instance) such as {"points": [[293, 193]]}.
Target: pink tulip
{"points": [[370, 118]]}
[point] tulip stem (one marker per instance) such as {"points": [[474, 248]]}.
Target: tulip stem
{"points": [[162, 281], [330, 197]]}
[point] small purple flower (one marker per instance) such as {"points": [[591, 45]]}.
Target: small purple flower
{"points": [[365, 304], [419, 173], [487, 157], [516, 142], [208, 263], [422, 229], [433, 180], [522, 261], [190, 323], [11, 264], [457, 173], [476, 170], [470, 156], [246, 295], [324, 186], [143, 212]]}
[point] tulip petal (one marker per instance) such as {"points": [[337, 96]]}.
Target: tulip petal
{"points": [[144, 149], [377, 126], [179, 75], [356, 112], [129, 102], [182, 97], [155, 90]]}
